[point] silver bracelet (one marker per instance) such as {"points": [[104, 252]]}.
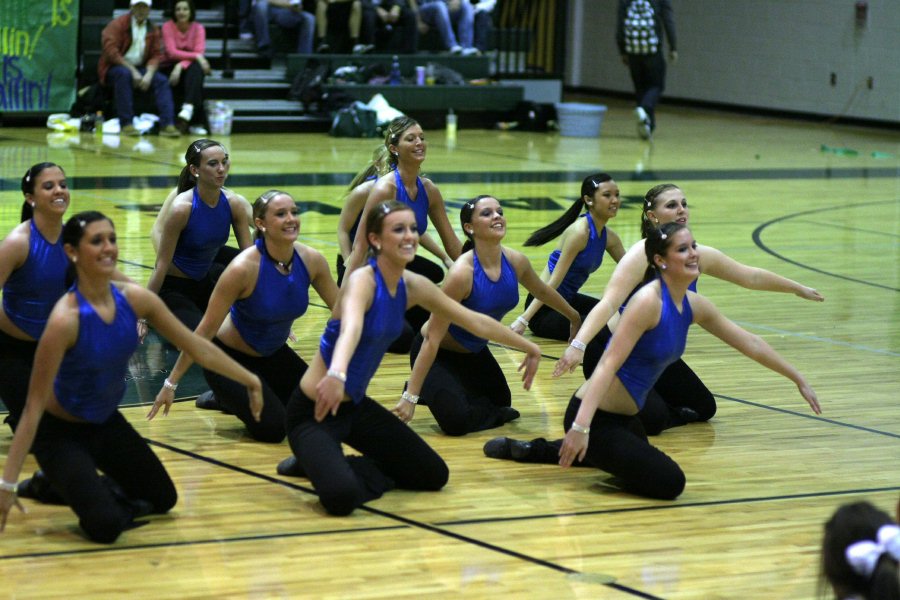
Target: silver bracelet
{"points": [[522, 321], [578, 344], [579, 429], [339, 375], [411, 398], [142, 321], [12, 488], [169, 385]]}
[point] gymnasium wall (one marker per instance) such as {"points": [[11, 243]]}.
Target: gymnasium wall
{"points": [[768, 54]]}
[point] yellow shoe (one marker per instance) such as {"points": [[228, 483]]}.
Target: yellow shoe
{"points": [[131, 131], [169, 131]]}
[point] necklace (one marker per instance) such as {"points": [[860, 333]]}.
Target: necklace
{"points": [[286, 265]]}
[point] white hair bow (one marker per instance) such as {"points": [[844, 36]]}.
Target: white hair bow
{"points": [[864, 555]]}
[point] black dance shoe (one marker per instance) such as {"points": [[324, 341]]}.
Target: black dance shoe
{"points": [[37, 487], [290, 467], [507, 448]]}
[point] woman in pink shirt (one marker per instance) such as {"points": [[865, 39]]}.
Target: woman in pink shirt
{"points": [[185, 43]]}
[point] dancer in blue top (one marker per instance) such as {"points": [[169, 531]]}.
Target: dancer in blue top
{"points": [[351, 215], [583, 239], [331, 406], [406, 145], [194, 230], [33, 268], [250, 314], [602, 428], [679, 396], [453, 371], [352, 205], [71, 422]]}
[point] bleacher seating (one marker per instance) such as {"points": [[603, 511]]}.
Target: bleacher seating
{"points": [[258, 87]]}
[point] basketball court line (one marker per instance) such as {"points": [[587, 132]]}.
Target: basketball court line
{"points": [[757, 239], [567, 175]]}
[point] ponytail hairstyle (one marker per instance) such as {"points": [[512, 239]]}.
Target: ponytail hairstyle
{"points": [[28, 180], [651, 199], [860, 552], [555, 229], [376, 216], [261, 206], [378, 166], [73, 231], [465, 217], [658, 242], [392, 136], [192, 156]]}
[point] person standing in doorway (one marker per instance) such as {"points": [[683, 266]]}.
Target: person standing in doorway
{"points": [[639, 35]]}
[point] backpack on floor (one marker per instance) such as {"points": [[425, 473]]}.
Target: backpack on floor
{"points": [[640, 28], [307, 85], [356, 120]]}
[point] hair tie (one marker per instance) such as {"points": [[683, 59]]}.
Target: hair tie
{"points": [[28, 176], [81, 223], [864, 555], [662, 236]]}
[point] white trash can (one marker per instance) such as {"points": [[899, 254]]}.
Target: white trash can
{"points": [[577, 119]]}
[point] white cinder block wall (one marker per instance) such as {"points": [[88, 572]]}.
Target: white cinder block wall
{"points": [[771, 54]]}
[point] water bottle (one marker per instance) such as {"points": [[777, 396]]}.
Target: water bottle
{"points": [[395, 78], [429, 74], [451, 126], [98, 123]]}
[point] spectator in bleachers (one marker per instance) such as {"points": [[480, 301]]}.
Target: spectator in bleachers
{"points": [[454, 21], [132, 51], [245, 19], [185, 43], [389, 25], [484, 24], [287, 15], [345, 15]]}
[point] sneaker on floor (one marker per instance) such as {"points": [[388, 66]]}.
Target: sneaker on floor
{"points": [[198, 130], [290, 467], [170, 131], [456, 49], [642, 123], [470, 52], [246, 35], [131, 131], [186, 113], [323, 49], [363, 48]]}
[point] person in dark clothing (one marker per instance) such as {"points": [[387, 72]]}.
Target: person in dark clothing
{"points": [[639, 35]]}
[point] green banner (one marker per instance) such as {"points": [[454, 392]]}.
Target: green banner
{"points": [[38, 49]]}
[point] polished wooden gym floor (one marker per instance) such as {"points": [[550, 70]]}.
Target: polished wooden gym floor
{"points": [[814, 201]]}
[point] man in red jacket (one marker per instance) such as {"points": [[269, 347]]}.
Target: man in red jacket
{"points": [[132, 49]]}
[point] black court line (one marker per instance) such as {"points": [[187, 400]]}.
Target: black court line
{"points": [[832, 225], [814, 417], [757, 239], [396, 517], [674, 506], [183, 543], [469, 177]]}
